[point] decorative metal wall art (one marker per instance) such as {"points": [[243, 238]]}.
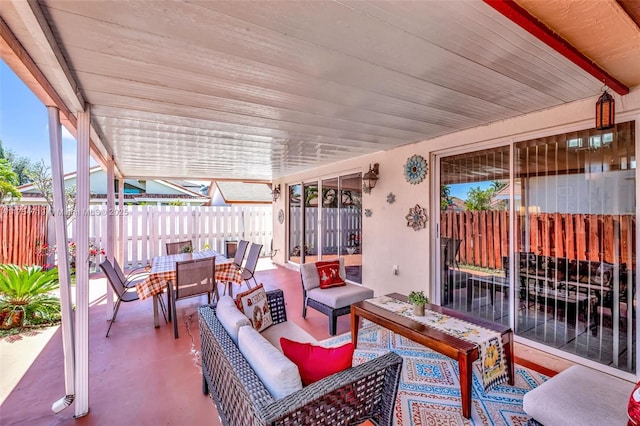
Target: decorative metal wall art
{"points": [[417, 218], [391, 198], [368, 212], [281, 216], [415, 169]]}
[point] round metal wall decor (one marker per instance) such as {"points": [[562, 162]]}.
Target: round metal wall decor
{"points": [[281, 216], [417, 218], [415, 169], [368, 212]]}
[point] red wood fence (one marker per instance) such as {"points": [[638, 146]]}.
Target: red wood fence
{"points": [[24, 232], [595, 237]]}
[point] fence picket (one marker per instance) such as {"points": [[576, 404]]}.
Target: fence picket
{"points": [[24, 231]]}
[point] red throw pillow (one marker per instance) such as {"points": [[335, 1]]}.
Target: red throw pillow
{"points": [[633, 409], [329, 273], [317, 362]]}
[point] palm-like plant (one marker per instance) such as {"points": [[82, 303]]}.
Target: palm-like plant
{"points": [[25, 295]]}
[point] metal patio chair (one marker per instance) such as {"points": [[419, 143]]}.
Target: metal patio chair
{"points": [[132, 278], [237, 261], [193, 278], [179, 247], [124, 295], [250, 265]]}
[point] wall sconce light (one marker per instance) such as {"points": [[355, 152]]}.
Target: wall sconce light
{"points": [[275, 193], [370, 178], [605, 111]]}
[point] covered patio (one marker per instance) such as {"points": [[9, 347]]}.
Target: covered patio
{"points": [[307, 96]]}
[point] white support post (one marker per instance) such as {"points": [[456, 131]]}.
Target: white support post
{"points": [[60, 224], [121, 234], [111, 230], [82, 266]]}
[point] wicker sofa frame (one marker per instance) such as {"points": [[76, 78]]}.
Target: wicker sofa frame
{"points": [[365, 392]]}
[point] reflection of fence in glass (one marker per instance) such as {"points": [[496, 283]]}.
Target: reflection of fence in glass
{"points": [[337, 227], [485, 236]]}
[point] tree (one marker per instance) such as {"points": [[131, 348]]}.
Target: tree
{"points": [[20, 165], [43, 182], [478, 199], [8, 182], [445, 196]]}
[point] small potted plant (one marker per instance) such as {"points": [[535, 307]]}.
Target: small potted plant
{"points": [[418, 300]]}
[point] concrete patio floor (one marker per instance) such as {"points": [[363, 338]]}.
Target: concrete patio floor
{"points": [[140, 374]]}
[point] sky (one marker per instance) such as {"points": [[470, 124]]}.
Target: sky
{"points": [[24, 127]]}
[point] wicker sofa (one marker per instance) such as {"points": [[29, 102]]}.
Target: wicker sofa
{"points": [[366, 391]]}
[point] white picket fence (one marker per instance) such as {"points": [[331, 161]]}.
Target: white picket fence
{"points": [[148, 228]]}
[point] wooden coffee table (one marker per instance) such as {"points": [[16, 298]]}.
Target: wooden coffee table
{"points": [[465, 352]]}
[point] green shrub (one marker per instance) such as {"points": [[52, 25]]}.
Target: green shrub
{"points": [[25, 296]]}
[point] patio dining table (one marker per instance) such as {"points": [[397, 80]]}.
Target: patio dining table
{"points": [[163, 272]]}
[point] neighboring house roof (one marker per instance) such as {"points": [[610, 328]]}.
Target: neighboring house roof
{"points": [[163, 191], [225, 193]]}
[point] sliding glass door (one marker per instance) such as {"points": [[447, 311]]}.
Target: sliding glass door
{"points": [[571, 201], [326, 222], [575, 251], [474, 233]]}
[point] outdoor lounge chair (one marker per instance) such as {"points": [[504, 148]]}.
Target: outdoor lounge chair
{"points": [[193, 278], [334, 301]]}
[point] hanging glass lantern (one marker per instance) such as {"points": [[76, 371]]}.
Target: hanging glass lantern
{"points": [[605, 112]]}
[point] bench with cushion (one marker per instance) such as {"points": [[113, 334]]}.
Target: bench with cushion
{"points": [[333, 301], [579, 396], [253, 383]]}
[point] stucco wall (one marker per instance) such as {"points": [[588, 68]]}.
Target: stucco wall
{"points": [[387, 240]]}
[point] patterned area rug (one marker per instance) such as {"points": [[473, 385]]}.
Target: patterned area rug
{"points": [[429, 391]]}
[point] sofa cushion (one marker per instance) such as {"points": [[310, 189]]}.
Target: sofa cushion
{"points": [[309, 274], [579, 396], [338, 297], [278, 374], [287, 329], [254, 304], [329, 274], [317, 362], [230, 317]]}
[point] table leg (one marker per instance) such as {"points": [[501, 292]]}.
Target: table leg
{"points": [[465, 365], [355, 325], [156, 323]]}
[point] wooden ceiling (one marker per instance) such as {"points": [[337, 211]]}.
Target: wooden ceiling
{"points": [[261, 90]]}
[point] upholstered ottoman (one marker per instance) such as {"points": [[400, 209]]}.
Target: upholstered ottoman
{"points": [[580, 396]]}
